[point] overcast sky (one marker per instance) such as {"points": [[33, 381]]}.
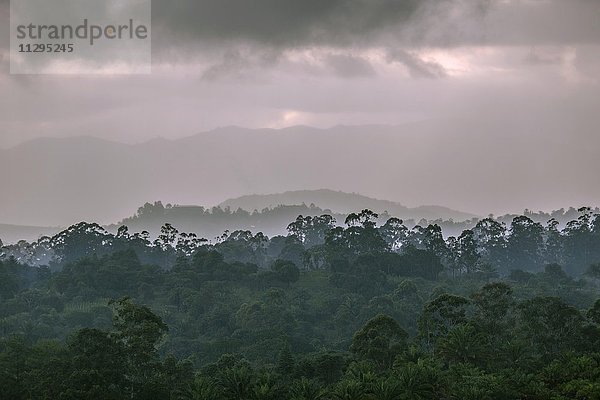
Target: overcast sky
{"points": [[534, 65]]}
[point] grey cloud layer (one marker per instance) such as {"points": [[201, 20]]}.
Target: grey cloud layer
{"points": [[280, 23], [293, 23], [217, 29], [299, 23]]}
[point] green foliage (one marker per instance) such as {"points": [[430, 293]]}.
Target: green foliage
{"points": [[380, 340], [440, 315], [354, 312], [417, 381], [463, 344], [551, 326], [286, 363], [286, 271], [306, 389]]}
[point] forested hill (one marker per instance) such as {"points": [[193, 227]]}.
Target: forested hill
{"points": [[210, 223], [344, 203], [271, 214], [272, 220]]}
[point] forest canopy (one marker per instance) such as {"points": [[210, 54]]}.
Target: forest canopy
{"points": [[365, 310]]}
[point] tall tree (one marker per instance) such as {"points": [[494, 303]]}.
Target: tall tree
{"points": [[525, 244], [380, 340]]}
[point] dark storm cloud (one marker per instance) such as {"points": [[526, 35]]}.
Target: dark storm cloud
{"points": [[183, 28], [341, 23], [280, 23]]}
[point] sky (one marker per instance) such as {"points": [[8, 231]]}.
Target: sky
{"points": [[531, 67]]}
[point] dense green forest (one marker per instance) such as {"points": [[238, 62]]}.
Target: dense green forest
{"points": [[360, 311]]}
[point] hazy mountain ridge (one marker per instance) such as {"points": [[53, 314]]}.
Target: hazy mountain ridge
{"points": [[343, 203], [64, 180], [58, 182]]}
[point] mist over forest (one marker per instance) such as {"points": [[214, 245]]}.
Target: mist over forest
{"points": [[270, 215], [358, 310]]}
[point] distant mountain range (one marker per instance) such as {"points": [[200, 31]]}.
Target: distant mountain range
{"points": [[60, 181]]}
